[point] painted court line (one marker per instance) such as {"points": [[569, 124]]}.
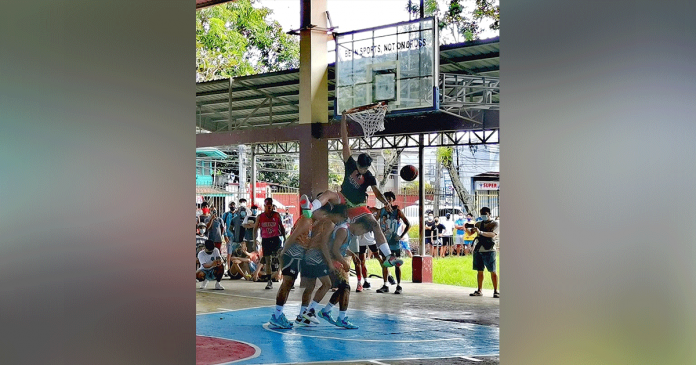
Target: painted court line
{"points": [[231, 295], [393, 359], [377, 362], [470, 358], [268, 328]]}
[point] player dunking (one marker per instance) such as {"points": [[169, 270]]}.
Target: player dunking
{"points": [[356, 180]]}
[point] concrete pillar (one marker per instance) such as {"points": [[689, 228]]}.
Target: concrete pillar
{"points": [[314, 77], [314, 93]]}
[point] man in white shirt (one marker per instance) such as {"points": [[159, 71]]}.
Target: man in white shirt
{"points": [[447, 235], [211, 266]]}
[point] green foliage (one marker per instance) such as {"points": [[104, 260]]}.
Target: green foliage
{"points": [[456, 21], [237, 39], [444, 155]]}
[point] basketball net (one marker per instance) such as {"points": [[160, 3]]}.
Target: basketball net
{"points": [[371, 120]]}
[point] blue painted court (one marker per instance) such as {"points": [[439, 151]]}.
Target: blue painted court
{"points": [[380, 337]]}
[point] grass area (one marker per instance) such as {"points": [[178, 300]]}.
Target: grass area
{"points": [[454, 270]]}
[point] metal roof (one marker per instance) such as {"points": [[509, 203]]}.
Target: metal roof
{"points": [[272, 99]]}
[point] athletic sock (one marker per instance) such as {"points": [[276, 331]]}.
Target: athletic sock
{"points": [[341, 315], [327, 308], [385, 250], [313, 305], [278, 311], [303, 309], [316, 204]]}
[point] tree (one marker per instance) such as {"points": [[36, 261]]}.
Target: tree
{"points": [[391, 161], [455, 21], [444, 156], [237, 39]]}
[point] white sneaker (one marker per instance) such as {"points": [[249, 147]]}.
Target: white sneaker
{"points": [[204, 284], [218, 286]]}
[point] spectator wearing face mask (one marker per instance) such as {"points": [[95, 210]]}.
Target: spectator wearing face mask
{"points": [[201, 237], [211, 266], [429, 233], [227, 218], [238, 237], [248, 225], [459, 237]]}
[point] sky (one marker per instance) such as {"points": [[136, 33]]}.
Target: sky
{"points": [[350, 15]]}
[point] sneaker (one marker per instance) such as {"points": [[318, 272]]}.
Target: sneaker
{"points": [[366, 285], [326, 316], [359, 288], [391, 280], [305, 204], [383, 289], [311, 316], [346, 324], [218, 286], [475, 294], [204, 284], [496, 295], [269, 285], [280, 322], [398, 289], [301, 321]]}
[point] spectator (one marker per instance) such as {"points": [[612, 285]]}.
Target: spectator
{"points": [[438, 229], [485, 251], [429, 234], [469, 233], [201, 237], [215, 226], [390, 226], [447, 235], [205, 212], [459, 238], [287, 220], [237, 238], [249, 234], [227, 218], [211, 266]]}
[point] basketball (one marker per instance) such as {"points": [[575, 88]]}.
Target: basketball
{"points": [[409, 173]]}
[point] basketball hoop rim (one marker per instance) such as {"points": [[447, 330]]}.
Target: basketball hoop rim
{"points": [[363, 108]]}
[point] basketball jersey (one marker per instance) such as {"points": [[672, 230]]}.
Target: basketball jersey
{"points": [[345, 244], [270, 227], [354, 184], [390, 225]]}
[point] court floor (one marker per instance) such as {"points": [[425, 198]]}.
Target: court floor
{"points": [[243, 336]]}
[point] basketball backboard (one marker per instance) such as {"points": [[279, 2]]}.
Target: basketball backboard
{"points": [[397, 63]]}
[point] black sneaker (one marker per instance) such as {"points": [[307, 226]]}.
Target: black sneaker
{"points": [[391, 280], [383, 289], [496, 295], [366, 285], [269, 285], [398, 289]]}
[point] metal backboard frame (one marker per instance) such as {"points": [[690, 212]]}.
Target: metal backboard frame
{"points": [[397, 63]]}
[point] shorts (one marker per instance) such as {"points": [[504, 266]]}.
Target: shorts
{"points": [[447, 240], [396, 253], [354, 246], [210, 274], [357, 212], [313, 266], [459, 240], [437, 242], [404, 245], [270, 246], [292, 260], [428, 240], [468, 243], [486, 259], [372, 247], [366, 239]]}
